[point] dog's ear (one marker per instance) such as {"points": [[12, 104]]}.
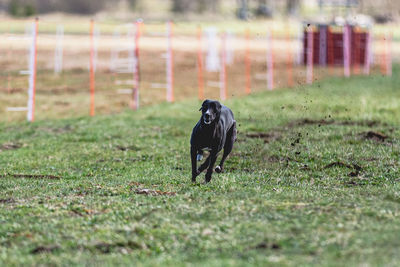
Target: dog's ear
{"points": [[205, 103]]}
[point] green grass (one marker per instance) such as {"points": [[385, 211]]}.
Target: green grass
{"points": [[279, 201]]}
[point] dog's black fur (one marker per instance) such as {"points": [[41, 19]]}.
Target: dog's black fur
{"points": [[216, 130]]}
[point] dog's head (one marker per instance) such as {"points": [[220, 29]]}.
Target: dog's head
{"points": [[211, 111]]}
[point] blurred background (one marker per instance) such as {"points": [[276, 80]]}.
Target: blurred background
{"points": [[381, 11], [249, 30]]}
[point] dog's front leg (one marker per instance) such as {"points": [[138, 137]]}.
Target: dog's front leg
{"points": [[193, 157], [213, 158]]}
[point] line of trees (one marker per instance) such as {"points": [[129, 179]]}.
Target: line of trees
{"points": [[245, 8], [21, 8]]}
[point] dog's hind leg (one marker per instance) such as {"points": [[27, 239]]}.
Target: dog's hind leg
{"points": [[213, 158], [230, 139]]}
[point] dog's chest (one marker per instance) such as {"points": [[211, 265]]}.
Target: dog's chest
{"points": [[206, 142], [206, 138]]}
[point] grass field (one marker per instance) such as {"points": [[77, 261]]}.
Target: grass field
{"points": [[313, 180]]}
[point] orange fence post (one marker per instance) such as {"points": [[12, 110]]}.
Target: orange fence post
{"points": [[200, 79], [91, 68], [248, 63]]}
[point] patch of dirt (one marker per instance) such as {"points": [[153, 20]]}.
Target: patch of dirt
{"points": [[6, 200], [65, 129], [135, 184], [337, 164], [376, 136], [240, 140], [127, 148], [31, 176], [307, 121], [82, 211], [297, 140], [274, 158], [266, 245], [266, 137], [152, 192], [111, 160], [355, 182], [370, 159], [355, 167], [45, 249], [106, 248], [305, 167], [141, 158], [10, 146], [13, 90]]}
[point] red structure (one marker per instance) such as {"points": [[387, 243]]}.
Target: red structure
{"points": [[328, 45]]}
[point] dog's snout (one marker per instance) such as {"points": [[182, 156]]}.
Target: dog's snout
{"points": [[206, 115]]}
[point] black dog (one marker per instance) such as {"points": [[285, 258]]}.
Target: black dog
{"points": [[215, 130]]}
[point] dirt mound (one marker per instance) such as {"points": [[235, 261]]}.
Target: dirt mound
{"points": [[320, 122], [355, 167], [126, 148], [377, 136], [106, 248], [45, 249], [31, 176], [152, 192], [6, 200], [10, 146], [266, 137]]}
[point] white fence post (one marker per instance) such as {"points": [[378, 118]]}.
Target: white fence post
{"points": [[58, 53]]}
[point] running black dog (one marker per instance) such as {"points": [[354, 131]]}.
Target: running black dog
{"points": [[215, 130]]}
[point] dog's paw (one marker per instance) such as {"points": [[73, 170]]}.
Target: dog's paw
{"points": [[218, 169], [199, 157]]}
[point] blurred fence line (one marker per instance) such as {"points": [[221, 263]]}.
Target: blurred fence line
{"points": [[131, 66]]}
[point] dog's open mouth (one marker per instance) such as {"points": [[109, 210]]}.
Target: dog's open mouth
{"points": [[207, 122]]}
